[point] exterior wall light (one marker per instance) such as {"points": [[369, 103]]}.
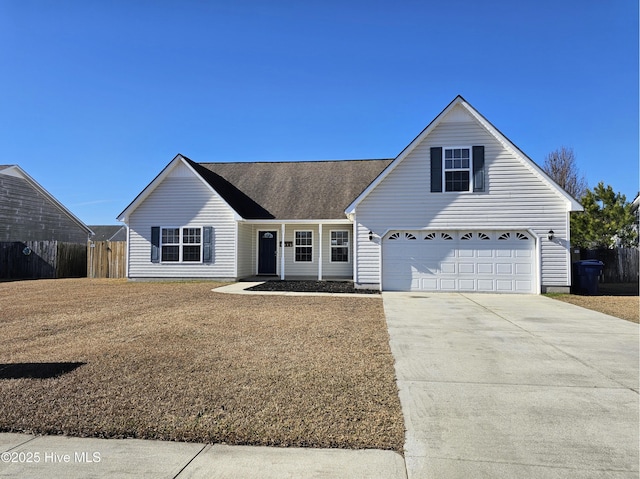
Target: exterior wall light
{"points": [[550, 235], [370, 235]]}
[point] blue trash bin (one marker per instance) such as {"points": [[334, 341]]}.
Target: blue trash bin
{"points": [[586, 274]]}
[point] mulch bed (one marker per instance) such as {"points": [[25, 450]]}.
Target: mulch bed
{"points": [[311, 287]]}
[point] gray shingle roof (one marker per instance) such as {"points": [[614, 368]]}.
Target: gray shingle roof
{"points": [[291, 190]]}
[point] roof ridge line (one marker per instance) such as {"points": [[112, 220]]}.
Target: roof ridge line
{"points": [[287, 161]]}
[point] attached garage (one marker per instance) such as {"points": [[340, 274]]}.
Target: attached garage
{"points": [[474, 261]]}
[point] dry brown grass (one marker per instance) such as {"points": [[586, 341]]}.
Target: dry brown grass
{"points": [[619, 300], [175, 361]]}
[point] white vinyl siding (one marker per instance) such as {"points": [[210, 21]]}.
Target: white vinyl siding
{"points": [[514, 198], [245, 250], [299, 268], [182, 199], [334, 269]]}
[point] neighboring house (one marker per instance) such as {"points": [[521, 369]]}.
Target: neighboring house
{"points": [[460, 209], [109, 232], [29, 213]]}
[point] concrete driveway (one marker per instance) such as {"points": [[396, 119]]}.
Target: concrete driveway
{"points": [[504, 386]]}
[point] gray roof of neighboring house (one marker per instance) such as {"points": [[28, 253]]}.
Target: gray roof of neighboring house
{"points": [[109, 233], [291, 190]]}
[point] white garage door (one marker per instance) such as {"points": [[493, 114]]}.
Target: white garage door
{"points": [[490, 261]]}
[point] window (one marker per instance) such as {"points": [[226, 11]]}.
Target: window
{"points": [[170, 244], [185, 247], [340, 246], [191, 240], [304, 246], [457, 169]]}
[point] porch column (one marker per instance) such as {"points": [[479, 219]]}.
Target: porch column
{"points": [[282, 252], [319, 251]]}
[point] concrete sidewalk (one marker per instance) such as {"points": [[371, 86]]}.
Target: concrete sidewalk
{"points": [[514, 386], [24, 456]]}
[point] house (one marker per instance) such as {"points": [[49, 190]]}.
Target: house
{"points": [[109, 232], [461, 208], [29, 213]]}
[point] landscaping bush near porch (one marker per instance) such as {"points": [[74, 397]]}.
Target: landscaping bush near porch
{"points": [[176, 361]]}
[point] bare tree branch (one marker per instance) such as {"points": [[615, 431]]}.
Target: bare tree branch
{"points": [[561, 166]]}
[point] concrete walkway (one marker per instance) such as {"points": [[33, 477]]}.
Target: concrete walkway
{"points": [[27, 457], [502, 386]]}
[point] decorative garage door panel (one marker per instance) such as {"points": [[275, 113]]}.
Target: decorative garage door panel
{"points": [[458, 261]]}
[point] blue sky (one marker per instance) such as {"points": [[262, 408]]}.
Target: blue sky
{"points": [[97, 97]]}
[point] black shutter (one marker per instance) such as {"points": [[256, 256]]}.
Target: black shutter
{"points": [[436, 170], [207, 244], [155, 244], [478, 168]]}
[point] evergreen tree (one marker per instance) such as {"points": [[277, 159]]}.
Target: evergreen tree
{"points": [[606, 222]]}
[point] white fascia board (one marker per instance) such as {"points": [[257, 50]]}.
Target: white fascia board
{"points": [[403, 154], [144, 194], [16, 171]]}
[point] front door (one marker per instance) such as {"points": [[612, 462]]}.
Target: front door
{"points": [[267, 252]]}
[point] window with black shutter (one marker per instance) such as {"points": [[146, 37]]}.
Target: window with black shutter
{"points": [[457, 169]]}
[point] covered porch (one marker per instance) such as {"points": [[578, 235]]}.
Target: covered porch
{"points": [[296, 249]]}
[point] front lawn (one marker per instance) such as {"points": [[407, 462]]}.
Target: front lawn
{"points": [[618, 299], [176, 361]]}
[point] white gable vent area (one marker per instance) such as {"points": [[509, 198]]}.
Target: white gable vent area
{"points": [[472, 261]]}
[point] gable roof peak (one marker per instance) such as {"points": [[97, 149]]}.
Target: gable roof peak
{"points": [[487, 125]]}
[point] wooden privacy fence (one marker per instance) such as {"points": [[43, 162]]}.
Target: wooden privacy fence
{"points": [[42, 259], [620, 264], [106, 259]]}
